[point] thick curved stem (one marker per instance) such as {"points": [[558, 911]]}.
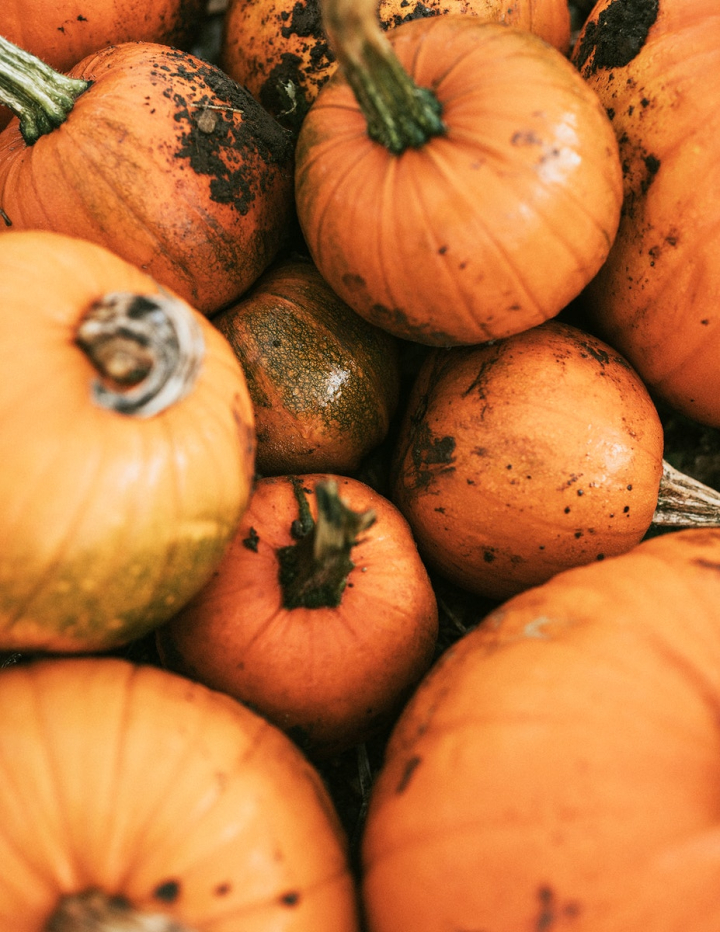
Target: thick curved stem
{"points": [[399, 114], [314, 571], [147, 350], [95, 911], [685, 502], [40, 97]]}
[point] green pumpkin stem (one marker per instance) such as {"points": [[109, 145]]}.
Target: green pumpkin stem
{"points": [[38, 95], [399, 114], [146, 349], [96, 911], [314, 570], [685, 502]]}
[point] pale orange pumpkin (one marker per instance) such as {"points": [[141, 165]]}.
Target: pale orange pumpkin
{"points": [[127, 447], [558, 768], [457, 181], [131, 798]]}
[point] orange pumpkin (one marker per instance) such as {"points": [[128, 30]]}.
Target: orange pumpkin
{"points": [[466, 198], [62, 32], [131, 798], [279, 50], [527, 456], [324, 383], [558, 768], [656, 68], [155, 154], [321, 616], [127, 447]]}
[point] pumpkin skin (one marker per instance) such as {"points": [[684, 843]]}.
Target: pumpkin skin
{"points": [[156, 791], [323, 382], [330, 675], [656, 298], [559, 765], [201, 206], [280, 52], [109, 522], [485, 230], [518, 459]]}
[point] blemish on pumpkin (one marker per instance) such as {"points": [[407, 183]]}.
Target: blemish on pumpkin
{"points": [[618, 35], [222, 889], [488, 555], [410, 768], [252, 540], [168, 891], [291, 898]]}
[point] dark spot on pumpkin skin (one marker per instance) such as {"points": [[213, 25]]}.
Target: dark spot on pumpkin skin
{"points": [[407, 774], [419, 11], [291, 898], [244, 132], [617, 36], [168, 891], [551, 912], [252, 540], [222, 889]]}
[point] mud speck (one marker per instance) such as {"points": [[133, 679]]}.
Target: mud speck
{"points": [[618, 35]]}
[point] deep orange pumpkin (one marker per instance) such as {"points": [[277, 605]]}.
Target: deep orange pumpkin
{"points": [[131, 798], [655, 65], [558, 768], [159, 156], [324, 383], [116, 502], [279, 51], [321, 616], [467, 201]]}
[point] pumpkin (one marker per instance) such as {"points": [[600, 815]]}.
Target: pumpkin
{"points": [[321, 615], [655, 65], [466, 198], [131, 798], [324, 383], [127, 447], [279, 50], [518, 459], [156, 155], [558, 768]]}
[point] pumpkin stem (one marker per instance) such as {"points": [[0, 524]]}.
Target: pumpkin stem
{"points": [[314, 571], [147, 350], [685, 502], [95, 911], [399, 114], [38, 95]]}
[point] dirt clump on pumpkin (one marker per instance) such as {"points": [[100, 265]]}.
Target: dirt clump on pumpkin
{"points": [[619, 34]]}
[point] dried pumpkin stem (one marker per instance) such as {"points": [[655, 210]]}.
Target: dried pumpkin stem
{"points": [[685, 502], [399, 114], [95, 911], [39, 96], [147, 350], [314, 571]]}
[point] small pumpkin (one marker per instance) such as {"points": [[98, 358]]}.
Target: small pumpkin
{"points": [[324, 383], [559, 765], [131, 798], [321, 615], [153, 153], [518, 459], [127, 447], [655, 65], [457, 181], [280, 52]]}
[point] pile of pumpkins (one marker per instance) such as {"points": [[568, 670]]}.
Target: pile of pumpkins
{"points": [[385, 300]]}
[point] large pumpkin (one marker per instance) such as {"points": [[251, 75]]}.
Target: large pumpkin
{"points": [[457, 181], [655, 65], [127, 447], [280, 52], [558, 769], [132, 799], [155, 154]]}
